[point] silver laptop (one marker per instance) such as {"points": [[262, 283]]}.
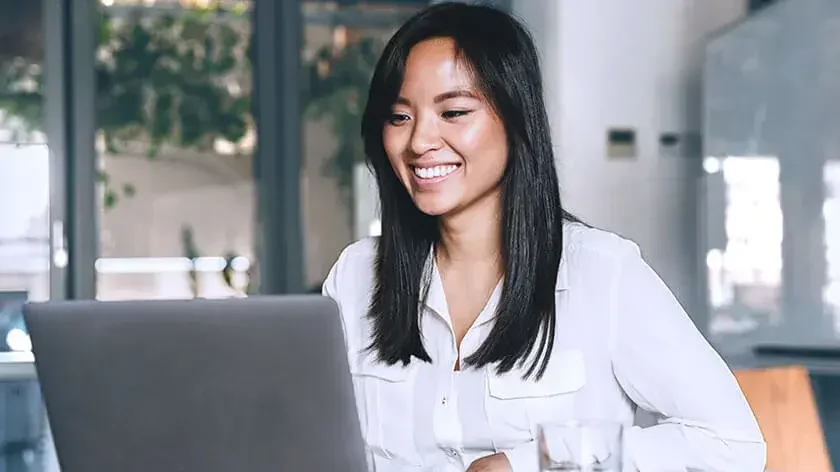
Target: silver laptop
{"points": [[251, 385]]}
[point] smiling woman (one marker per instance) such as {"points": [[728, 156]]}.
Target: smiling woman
{"points": [[484, 309], [444, 139]]}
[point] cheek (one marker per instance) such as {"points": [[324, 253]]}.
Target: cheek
{"points": [[394, 144], [486, 147]]}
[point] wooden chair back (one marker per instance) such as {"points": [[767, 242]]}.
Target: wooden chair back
{"points": [[783, 402]]}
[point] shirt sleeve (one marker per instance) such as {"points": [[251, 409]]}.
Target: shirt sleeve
{"points": [[331, 288], [666, 367]]}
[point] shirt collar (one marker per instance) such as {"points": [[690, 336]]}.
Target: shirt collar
{"points": [[436, 298], [562, 282]]}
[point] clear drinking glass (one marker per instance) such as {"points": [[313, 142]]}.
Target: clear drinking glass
{"points": [[581, 446]]}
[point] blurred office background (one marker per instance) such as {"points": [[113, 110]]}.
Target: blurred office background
{"points": [[201, 148]]}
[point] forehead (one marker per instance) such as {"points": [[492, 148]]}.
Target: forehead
{"points": [[433, 66]]}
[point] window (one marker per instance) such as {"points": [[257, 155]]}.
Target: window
{"points": [[339, 193], [24, 231], [176, 142], [773, 214]]}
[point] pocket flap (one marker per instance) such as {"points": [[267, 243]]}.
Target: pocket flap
{"points": [[565, 373]]}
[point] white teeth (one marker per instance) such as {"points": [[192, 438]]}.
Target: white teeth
{"points": [[433, 172]]}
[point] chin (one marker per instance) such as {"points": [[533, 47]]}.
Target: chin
{"points": [[434, 207]]}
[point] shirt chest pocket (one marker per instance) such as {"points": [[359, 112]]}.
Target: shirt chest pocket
{"points": [[516, 405], [385, 399]]}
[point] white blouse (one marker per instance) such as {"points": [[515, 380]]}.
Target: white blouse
{"points": [[622, 341]]}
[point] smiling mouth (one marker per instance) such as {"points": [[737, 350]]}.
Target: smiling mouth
{"points": [[429, 173]]}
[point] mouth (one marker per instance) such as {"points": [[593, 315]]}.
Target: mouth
{"points": [[438, 172]]}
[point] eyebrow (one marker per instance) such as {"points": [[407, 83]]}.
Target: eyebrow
{"points": [[442, 97]]}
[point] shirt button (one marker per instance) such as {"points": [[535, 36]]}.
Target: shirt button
{"points": [[452, 452], [444, 401]]}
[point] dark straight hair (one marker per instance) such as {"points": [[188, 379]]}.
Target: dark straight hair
{"points": [[503, 60]]}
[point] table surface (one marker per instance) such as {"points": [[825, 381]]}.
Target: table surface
{"points": [[17, 365]]}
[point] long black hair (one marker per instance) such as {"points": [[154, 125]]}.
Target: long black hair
{"points": [[503, 59]]}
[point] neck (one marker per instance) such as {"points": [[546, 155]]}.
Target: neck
{"points": [[473, 235]]}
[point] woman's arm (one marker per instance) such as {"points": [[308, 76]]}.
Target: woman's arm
{"points": [[667, 367]]}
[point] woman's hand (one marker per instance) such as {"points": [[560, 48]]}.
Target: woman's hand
{"points": [[496, 463]]}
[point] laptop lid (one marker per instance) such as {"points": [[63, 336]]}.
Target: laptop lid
{"points": [[256, 384]]}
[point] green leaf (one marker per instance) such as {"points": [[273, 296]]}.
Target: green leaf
{"points": [[110, 199]]}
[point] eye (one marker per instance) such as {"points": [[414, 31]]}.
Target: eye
{"points": [[452, 114], [397, 118]]}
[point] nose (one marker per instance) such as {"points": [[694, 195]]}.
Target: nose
{"points": [[425, 136]]}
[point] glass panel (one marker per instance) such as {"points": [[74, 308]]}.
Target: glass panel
{"points": [[342, 44], [24, 225], [175, 142], [24, 234], [24, 158], [772, 222], [745, 274]]}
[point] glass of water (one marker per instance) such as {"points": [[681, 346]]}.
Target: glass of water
{"points": [[581, 446]]}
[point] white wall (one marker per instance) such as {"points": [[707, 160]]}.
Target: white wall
{"points": [[636, 64]]}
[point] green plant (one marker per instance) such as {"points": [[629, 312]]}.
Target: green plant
{"points": [[21, 97], [183, 81], [172, 80], [338, 89], [190, 252]]}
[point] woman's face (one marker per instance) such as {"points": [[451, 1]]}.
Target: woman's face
{"points": [[444, 140]]}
